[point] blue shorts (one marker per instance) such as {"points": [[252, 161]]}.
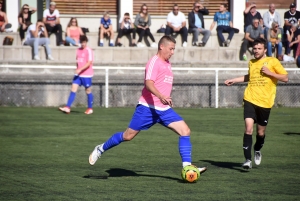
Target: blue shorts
{"points": [[145, 117], [82, 81]]}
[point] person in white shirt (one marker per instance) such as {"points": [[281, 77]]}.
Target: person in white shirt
{"points": [[126, 28], [176, 23], [52, 22], [269, 17], [36, 36]]}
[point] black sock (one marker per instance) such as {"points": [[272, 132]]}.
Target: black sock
{"points": [[259, 142], [247, 144]]}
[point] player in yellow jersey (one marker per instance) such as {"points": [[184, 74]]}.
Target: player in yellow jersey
{"points": [[262, 77]]}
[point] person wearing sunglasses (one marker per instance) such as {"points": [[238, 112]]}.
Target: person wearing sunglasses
{"points": [[196, 24], [73, 33], [269, 17], [176, 23], [274, 36], [25, 20], [126, 28], [143, 23], [253, 32]]}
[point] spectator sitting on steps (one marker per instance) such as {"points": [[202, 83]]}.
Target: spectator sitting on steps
{"points": [[126, 28], [224, 21], [196, 24], [249, 14], [253, 31], [106, 29], [274, 37], [176, 23], [4, 25], [73, 33], [36, 36], [143, 22], [52, 23], [25, 19]]}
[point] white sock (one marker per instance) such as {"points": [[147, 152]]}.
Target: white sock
{"points": [[111, 41], [101, 40], [185, 164]]}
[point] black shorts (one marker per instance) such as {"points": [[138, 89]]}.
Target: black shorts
{"points": [[260, 115]]}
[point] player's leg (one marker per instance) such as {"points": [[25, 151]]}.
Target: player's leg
{"points": [[173, 121], [262, 121], [142, 119], [87, 83], [76, 83], [101, 36], [249, 117]]}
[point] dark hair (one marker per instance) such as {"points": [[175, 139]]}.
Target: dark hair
{"points": [[39, 20], [175, 5], [224, 4], [165, 39], [260, 41], [126, 14], [83, 38]]}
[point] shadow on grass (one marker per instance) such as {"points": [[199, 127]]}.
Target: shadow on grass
{"points": [[228, 165], [291, 133], [119, 172]]}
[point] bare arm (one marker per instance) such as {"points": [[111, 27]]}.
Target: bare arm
{"points": [[80, 31], [247, 37], [244, 78], [78, 71], [5, 18], [164, 99], [183, 24], [33, 10], [212, 25], [280, 77], [58, 20], [68, 32], [247, 10], [231, 24], [44, 20], [20, 21]]}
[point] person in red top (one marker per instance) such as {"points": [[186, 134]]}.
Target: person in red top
{"points": [[73, 33], [83, 76], [3, 20], [52, 22]]}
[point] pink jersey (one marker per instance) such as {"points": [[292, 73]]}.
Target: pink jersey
{"points": [[83, 56], [160, 72]]}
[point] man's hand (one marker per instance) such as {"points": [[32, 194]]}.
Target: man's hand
{"points": [[229, 82], [265, 70], [166, 100]]}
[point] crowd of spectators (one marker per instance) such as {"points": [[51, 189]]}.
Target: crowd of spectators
{"points": [[269, 26]]}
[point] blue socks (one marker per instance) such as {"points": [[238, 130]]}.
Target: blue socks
{"points": [[114, 140], [90, 99], [71, 98], [185, 150]]}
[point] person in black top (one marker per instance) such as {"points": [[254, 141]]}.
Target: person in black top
{"points": [[291, 17], [250, 13], [293, 36], [24, 18]]}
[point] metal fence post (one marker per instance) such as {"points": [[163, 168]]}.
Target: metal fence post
{"points": [[106, 88], [217, 88]]}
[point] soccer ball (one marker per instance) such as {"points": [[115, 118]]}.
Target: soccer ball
{"points": [[190, 173]]}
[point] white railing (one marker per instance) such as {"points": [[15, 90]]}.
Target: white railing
{"points": [[107, 68]]}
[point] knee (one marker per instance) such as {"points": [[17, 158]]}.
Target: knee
{"points": [[186, 132], [88, 90], [128, 136], [249, 130]]}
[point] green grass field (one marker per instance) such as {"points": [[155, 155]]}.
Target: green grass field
{"points": [[44, 156]]}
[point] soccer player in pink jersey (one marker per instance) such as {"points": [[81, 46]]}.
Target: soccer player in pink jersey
{"points": [[155, 106], [83, 76]]}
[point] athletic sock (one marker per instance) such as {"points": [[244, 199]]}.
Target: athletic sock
{"points": [[247, 144], [185, 150], [111, 41], [71, 98], [114, 140], [259, 142], [90, 99], [101, 40]]}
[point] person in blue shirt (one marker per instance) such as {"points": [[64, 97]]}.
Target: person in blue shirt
{"points": [[224, 21], [106, 29]]}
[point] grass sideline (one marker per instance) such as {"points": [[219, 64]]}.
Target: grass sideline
{"points": [[44, 156]]}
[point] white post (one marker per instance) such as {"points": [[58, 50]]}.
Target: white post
{"points": [[237, 11], [298, 4], [12, 11], [217, 88], [126, 6], [106, 88]]}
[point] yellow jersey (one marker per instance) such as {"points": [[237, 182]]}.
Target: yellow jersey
{"points": [[261, 89]]}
